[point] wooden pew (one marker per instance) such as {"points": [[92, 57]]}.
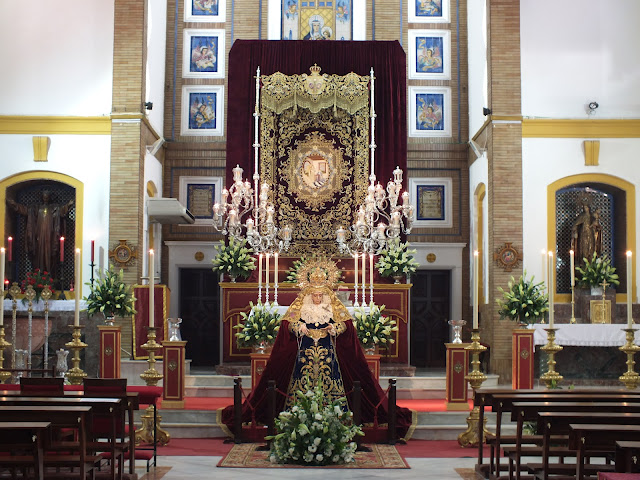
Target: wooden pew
{"points": [[501, 401], [554, 418], [34, 434], [585, 437], [100, 405], [627, 454]]}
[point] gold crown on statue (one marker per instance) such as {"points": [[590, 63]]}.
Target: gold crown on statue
{"points": [[318, 273]]}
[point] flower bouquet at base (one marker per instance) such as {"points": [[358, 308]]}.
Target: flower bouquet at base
{"points": [[260, 325], [396, 260], [234, 259], [524, 301], [110, 295], [315, 431], [38, 279], [373, 328]]}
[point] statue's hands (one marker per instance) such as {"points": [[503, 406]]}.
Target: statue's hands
{"points": [[330, 329], [303, 329]]}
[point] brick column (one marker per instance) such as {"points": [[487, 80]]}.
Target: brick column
{"points": [[505, 164]]}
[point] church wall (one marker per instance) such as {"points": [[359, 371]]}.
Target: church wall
{"points": [[578, 51], [477, 52], [156, 58]]}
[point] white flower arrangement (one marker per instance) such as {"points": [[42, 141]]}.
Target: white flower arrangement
{"points": [[261, 324], [396, 259], [110, 295], [315, 431], [234, 259], [374, 328]]}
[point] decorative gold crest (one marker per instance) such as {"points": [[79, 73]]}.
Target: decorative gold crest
{"points": [[314, 83], [507, 257], [122, 254]]}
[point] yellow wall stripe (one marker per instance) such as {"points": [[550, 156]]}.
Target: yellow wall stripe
{"points": [[52, 125], [590, 128]]}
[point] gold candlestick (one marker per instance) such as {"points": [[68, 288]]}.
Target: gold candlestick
{"points": [[75, 374], [630, 378], [151, 375], [573, 305], [551, 378], [475, 379], [4, 375]]}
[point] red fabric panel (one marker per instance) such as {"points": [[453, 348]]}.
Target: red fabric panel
{"points": [[388, 60], [353, 366]]}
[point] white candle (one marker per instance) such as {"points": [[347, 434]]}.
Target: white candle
{"points": [[370, 270], [629, 291], [266, 282], [355, 277], [2, 259], [572, 267], [76, 288], [364, 276], [275, 274], [260, 278], [152, 282], [475, 289], [550, 288]]}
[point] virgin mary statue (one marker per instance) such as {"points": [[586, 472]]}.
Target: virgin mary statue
{"points": [[318, 345]]}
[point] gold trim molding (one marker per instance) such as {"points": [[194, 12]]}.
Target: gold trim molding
{"points": [[576, 128], [52, 125]]}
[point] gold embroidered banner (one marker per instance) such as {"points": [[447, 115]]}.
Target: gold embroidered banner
{"points": [[314, 138]]}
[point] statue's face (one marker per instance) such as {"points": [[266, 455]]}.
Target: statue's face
{"points": [[316, 297], [45, 196]]}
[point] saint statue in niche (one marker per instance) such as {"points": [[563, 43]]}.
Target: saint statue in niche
{"points": [[586, 234]]}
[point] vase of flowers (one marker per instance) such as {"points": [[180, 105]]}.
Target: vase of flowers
{"points": [[396, 261], [110, 295], [373, 328], [524, 301], [315, 431], [595, 272], [234, 259], [259, 327], [38, 279]]}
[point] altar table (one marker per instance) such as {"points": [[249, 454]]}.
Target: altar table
{"points": [[584, 334]]}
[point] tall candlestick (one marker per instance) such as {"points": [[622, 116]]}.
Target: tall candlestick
{"points": [[76, 289], [275, 274], [550, 288], [355, 279], [93, 246], [370, 270], [2, 260], [629, 291], [152, 282], [475, 289], [572, 267], [10, 242]]}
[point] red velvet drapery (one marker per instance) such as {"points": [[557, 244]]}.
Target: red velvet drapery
{"points": [[388, 60]]}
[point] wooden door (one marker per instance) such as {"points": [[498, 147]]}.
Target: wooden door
{"points": [[430, 311], [200, 312]]}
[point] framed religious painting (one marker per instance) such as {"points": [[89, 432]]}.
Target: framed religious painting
{"points": [[430, 54], [199, 194], [429, 11], [202, 110], [203, 54], [431, 199], [316, 20], [205, 11], [429, 112]]}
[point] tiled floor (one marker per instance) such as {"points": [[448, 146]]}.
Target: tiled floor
{"points": [[192, 468]]}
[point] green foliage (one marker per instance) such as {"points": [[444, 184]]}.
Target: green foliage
{"points": [[396, 259], [596, 271], [292, 273], [315, 431], [524, 300], [234, 259], [110, 295], [374, 328], [261, 324]]}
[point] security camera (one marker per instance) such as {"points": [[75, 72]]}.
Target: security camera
{"points": [[591, 107], [148, 105], [486, 111]]}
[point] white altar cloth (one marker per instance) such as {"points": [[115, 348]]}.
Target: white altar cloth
{"points": [[54, 306], [583, 334], [282, 309]]}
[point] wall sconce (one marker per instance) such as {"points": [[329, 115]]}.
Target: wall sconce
{"points": [[592, 107], [486, 111], [148, 105]]}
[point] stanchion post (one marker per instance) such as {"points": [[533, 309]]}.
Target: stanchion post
{"points": [[237, 410], [392, 411]]}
